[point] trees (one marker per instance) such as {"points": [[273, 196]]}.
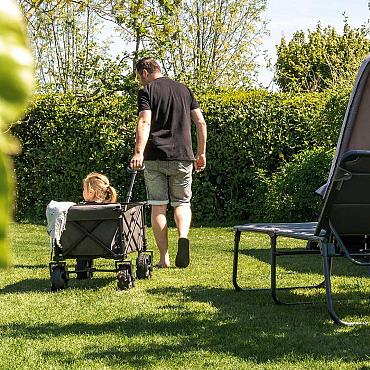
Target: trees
{"points": [[64, 36], [150, 25], [205, 43], [321, 59], [218, 42]]}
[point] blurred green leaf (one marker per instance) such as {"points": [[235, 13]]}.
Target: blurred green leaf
{"points": [[16, 78]]}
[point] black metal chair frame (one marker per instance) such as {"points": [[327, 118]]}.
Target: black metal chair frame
{"points": [[324, 233]]}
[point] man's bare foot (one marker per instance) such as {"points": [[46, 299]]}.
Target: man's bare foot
{"points": [[160, 265]]}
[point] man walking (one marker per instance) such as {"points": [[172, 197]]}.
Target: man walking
{"points": [[163, 140]]}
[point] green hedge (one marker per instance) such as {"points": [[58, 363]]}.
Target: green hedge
{"points": [[64, 138], [250, 132], [289, 194]]}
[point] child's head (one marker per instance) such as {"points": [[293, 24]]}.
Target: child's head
{"points": [[96, 188]]}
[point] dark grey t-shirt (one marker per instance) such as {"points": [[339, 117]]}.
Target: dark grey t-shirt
{"points": [[170, 131]]}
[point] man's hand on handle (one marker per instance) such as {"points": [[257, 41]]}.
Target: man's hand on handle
{"points": [[137, 161]]}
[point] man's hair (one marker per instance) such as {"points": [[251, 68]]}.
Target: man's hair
{"points": [[149, 64]]}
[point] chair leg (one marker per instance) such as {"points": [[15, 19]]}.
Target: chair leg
{"points": [[274, 288], [237, 287], [327, 266], [273, 269], [235, 263]]}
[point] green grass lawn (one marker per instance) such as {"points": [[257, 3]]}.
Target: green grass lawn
{"points": [[181, 318]]}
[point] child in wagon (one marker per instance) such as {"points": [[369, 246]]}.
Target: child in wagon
{"points": [[97, 189]]}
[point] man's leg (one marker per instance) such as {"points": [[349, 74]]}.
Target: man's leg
{"points": [[180, 194], [157, 195], [182, 215], [160, 231]]}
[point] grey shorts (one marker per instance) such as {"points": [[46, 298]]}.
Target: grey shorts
{"points": [[168, 180]]}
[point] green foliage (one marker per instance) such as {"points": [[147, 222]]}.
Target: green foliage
{"points": [[203, 43], [250, 132], [150, 24], [68, 53], [64, 138], [5, 207], [216, 43], [16, 76], [289, 194], [321, 59]]}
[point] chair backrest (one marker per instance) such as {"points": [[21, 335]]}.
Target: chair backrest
{"points": [[355, 132], [347, 203]]}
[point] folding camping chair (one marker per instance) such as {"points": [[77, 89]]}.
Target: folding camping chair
{"points": [[344, 223]]}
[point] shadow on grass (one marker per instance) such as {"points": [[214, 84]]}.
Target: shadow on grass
{"points": [[40, 266], [236, 325], [293, 266], [42, 285], [307, 264]]}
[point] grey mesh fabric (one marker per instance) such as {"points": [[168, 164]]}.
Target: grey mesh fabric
{"points": [[355, 132], [102, 230]]}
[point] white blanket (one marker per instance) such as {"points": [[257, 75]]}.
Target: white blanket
{"points": [[56, 216]]}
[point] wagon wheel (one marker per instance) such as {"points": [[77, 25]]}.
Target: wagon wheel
{"points": [[124, 278], [58, 278], [143, 266], [65, 276]]}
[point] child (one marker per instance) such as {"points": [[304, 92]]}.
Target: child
{"points": [[96, 188]]}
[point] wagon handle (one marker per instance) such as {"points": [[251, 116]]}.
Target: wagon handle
{"points": [[133, 175], [130, 170]]}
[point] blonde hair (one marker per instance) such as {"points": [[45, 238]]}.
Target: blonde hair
{"points": [[99, 184]]}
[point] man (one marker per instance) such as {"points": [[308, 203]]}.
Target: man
{"points": [[163, 140]]}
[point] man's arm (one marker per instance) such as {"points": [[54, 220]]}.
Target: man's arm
{"points": [[200, 158], [142, 135]]}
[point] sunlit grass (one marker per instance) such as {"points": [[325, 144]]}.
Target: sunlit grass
{"points": [[181, 318]]}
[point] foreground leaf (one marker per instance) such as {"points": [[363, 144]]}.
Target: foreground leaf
{"points": [[16, 78]]}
